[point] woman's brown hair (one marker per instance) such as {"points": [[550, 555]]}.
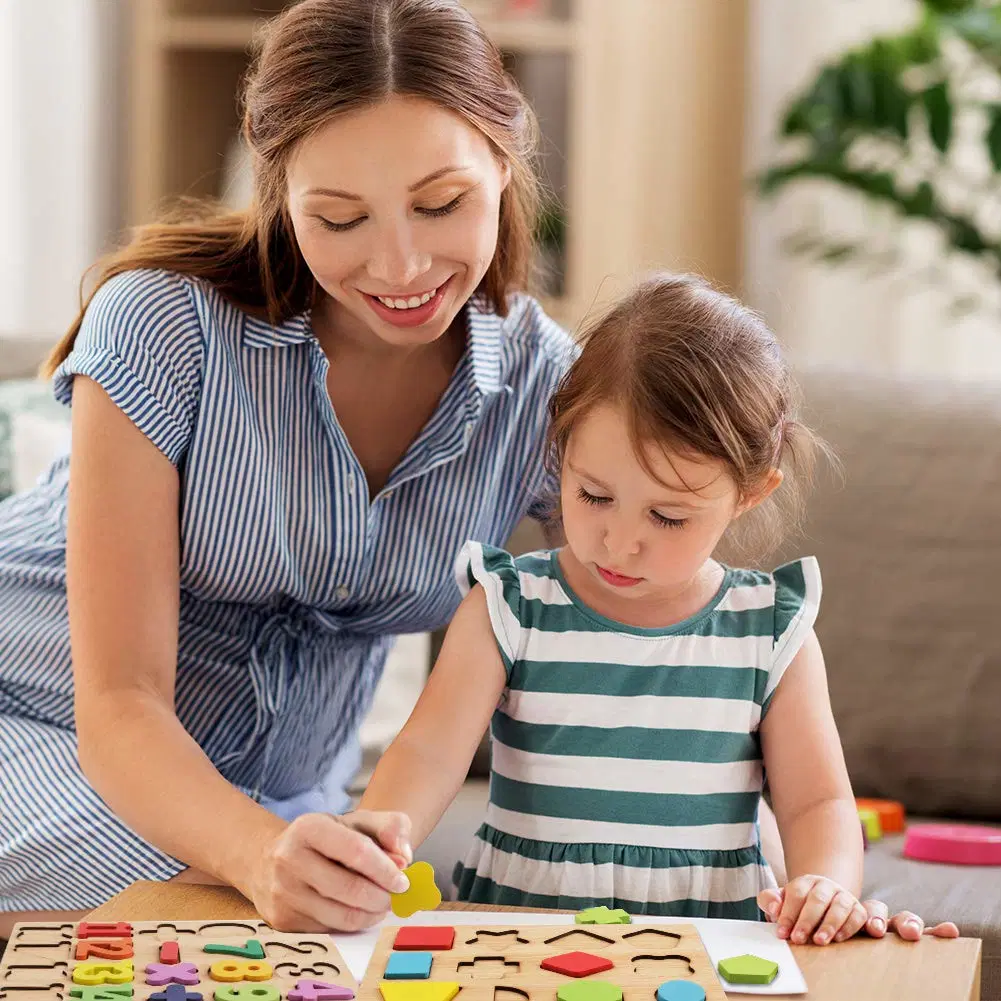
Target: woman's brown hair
{"points": [[321, 59], [697, 373]]}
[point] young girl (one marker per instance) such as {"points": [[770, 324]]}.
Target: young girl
{"points": [[639, 689]]}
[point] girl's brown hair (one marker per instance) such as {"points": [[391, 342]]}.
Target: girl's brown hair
{"points": [[700, 374], [321, 59]]}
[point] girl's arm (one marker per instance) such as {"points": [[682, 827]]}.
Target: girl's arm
{"points": [[123, 558], [425, 766], [813, 803]]}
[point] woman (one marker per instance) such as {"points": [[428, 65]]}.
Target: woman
{"points": [[285, 423]]}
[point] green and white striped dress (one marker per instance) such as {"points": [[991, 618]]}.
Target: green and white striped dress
{"points": [[627, 765]]}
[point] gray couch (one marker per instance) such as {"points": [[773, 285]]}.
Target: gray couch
{"points": [[909, 542]]}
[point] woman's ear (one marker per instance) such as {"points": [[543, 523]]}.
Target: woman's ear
{"points": [[505, 174], [768, 485]]}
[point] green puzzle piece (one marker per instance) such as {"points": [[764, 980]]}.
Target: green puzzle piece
{"points": [[603, 916], [103, 992], [252, 950], [748, 970], [589, 990]]}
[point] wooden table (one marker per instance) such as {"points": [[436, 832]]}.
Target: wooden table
{"points": [[860, 970]]}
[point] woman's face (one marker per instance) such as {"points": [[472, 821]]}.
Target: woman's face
{"points": [[395, 208]]}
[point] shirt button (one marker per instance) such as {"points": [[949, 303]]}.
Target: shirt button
{"points": [[469, 431], [351, 483], [343, 592]]}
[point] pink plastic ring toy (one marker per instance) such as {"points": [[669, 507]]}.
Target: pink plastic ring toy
{"points": [[955, 844]]}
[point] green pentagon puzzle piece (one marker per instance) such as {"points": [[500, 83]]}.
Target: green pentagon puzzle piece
{"points": [[748, 969], [589, 990], [603, 916]]}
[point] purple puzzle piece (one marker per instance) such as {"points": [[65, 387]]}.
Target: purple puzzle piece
{"points": [[160, 974], [175, 992], [318, 990]]}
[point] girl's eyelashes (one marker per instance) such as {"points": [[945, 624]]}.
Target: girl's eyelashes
{"points": [[664, 522], [434, 213], [658, 519], [589, 498]]}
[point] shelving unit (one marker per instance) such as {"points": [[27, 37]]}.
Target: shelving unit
{"points": [[619, 88]]}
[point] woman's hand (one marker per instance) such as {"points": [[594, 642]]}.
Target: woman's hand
{"points": [[801, 914], [326, 873]]}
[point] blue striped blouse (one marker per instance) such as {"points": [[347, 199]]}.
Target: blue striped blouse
{"points": [[293, 581]]}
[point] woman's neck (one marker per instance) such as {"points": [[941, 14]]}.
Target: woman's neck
{"points": [[347, 341]]}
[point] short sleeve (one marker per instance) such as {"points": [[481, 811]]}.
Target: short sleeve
{"points": [[495, 570], [797, 602], [141, 341]]}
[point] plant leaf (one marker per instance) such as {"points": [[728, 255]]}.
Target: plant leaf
{"points": [[993, 135], [938, 108]]}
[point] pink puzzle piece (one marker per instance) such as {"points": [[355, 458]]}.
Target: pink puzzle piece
{"points": [[160, 974], [956, 844], [318, 990]]}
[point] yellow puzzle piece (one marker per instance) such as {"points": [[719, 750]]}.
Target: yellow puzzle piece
{"points": [[422, 895], [418, 990]]}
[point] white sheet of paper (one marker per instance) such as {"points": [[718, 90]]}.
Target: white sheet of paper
{"points": [[722, 939]]}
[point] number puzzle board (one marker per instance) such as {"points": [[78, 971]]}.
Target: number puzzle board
{"points": [[503, 963], [171, 961]]}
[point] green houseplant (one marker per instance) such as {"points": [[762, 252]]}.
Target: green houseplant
{"points": [[882, 121]]}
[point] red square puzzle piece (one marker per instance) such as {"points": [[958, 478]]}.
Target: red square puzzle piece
{"points": [[576, 964], [424, 938]]}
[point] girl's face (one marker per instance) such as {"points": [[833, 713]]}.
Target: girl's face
{"points": [[636, 535], [395, 209]]}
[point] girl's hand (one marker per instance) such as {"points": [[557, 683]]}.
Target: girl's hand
{"points": [[814, 907], [326, 873], [906, 924]]}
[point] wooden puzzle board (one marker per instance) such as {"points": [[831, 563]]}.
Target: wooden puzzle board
{"points": [[43, 960], [480, 961]]}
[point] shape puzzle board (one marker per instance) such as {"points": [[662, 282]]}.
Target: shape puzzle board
{"points": [[502, 962], [170, 961]]}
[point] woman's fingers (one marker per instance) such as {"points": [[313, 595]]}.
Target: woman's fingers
{"points": [[352, 849]]}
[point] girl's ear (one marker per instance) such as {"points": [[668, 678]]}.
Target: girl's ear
{"points": [[771, 482]]}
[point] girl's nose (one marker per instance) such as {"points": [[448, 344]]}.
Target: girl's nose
{"points": [[620, 542]]}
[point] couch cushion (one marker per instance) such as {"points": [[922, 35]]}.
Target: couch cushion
{"points": [[968, 895], [910, 549]]}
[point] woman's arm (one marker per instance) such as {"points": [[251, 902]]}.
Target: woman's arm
{"points": [[423, 769], [123, 558]]}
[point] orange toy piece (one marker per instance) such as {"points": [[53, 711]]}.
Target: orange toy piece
{"points": [[890, 813]]}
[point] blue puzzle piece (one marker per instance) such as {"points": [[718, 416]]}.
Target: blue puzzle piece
{"points": [[408, 966], [680, 990]]}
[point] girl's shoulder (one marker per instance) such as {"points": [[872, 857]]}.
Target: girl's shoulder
{"points": [[786, 589]]}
